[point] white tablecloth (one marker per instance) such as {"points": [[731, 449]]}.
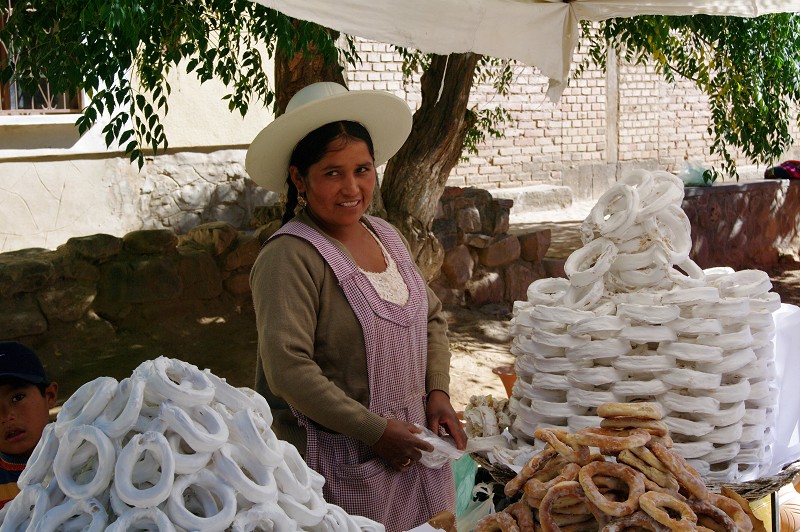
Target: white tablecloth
{"points": [[787, 360]]}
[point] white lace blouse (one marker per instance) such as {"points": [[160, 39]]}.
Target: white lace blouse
{"points": [[389, 283]]}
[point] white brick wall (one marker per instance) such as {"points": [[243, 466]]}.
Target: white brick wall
{"points": [[566, 143]]}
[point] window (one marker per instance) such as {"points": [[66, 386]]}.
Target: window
{"points": [[13, 100]]}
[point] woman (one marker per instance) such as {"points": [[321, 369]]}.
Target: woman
{"points": [[353, 349]]}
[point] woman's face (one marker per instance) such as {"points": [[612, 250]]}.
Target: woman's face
{"points": [[339, 186]]}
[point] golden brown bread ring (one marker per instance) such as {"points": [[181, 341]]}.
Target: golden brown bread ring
{"points": [[537, 489], [638, 520], [733, 509], [656, 504], [653, 426], [665, 480], [685, 474], [709, 516], [612, 441], [632, 478], [641, 410], [536, 462], [568, 488], [564, 443], [499, 521]]}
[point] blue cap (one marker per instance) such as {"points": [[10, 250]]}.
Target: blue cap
{"points": [[20, 362]]}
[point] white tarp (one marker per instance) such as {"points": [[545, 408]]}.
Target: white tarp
{"points": [[536, 32]]}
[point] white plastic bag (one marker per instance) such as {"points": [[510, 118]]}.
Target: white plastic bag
{"points": [[444, 449]]}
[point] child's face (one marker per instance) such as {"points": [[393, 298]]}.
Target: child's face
{"points": [[24, 412]]}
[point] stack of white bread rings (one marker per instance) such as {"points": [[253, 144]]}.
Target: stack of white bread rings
{"points": [[170, 448], [637, 319]]}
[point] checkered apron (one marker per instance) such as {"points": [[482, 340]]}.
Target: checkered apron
{"points": [[396, 344]]}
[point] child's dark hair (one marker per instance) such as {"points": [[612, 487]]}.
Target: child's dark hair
{"points": [[13, 381], [313, 147]]}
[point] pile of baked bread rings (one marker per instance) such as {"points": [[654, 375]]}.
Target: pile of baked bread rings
{"points": [[618, 476], [170, 448], [637, 319]]}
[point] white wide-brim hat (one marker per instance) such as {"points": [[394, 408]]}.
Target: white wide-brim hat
{"points": [[386, 117]]}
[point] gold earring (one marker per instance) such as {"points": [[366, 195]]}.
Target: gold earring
{"points": [[301, 204]]}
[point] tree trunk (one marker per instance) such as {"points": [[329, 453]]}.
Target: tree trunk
{"points": [[294, 72], [416, 176]]}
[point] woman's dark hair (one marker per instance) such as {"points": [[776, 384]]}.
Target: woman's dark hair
{"points": [[313, 147]]}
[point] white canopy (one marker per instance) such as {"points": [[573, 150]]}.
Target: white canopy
{"points": [[542, 33]]}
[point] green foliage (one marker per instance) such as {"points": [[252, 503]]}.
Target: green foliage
{"points": [[121, 51], [748, 68]]}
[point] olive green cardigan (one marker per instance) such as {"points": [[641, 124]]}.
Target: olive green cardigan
{"points": [[311, 350]]}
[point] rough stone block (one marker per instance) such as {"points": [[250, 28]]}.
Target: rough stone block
{"points": [[458, 266], [485, 288], [150, 241], [67, 301], [502, 251], [200, 274], [98, 247], [468, 220], [139, 281], [214, 236], [25, 271], [238, 284], [20, 316], [517, 277], [244, 253], [534, 246]]}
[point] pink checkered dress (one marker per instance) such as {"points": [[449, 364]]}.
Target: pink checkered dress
{"points": [[396, 344]]}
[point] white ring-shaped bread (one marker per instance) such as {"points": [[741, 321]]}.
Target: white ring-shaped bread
{"points": [[255, 434], [549, 381], [768, 401], [588, 264], [17, 513], [753, 433], [523, 344], [726, 434], [563, 315], [593, 376], [559, 340], [692, 449], [40, 460], [688, 427], [265, 516], [589, 398], [239, 398], [702, 467], [693, 278], [727, 416], [731, 362], [731, 393], [638, 298], [754, 416], [691, 379], [745, 283], [660, 198], [691, 352], [616, 210], [576, 423], [714, 274], [640, 179], [643, 363], [523, 323], [758, 390], [726, 307], [117, 505], [547, 291], [762, 338], [637, 279], [62, 464], [294, 477], [690, 296], [123, 410], [584, 298], [644, 334], [653, 256], [677, 402], [83, 406], [739, 338], [612, 347], [754, 371], [157, 445], [675, 232], [307, 515], [651, 314], [204, 478], [239, 468], [58, 516], [338, 519], [178, 381], [142, 519], [722, 453], [186, 462], [769, 302], [553, 409], [597, 326], [202, 428], [696, 326], [760, 319], [629, 388], [559, 365]]}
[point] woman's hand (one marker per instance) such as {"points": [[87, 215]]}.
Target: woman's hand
{"points": [[398, 446], [440, 413]]}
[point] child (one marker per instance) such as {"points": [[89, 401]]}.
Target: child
{"points": [[26, 398]]}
